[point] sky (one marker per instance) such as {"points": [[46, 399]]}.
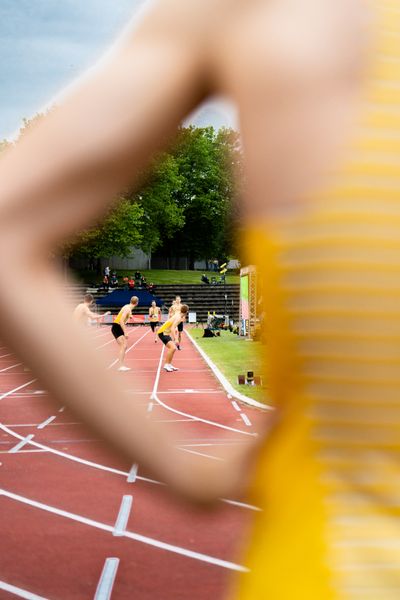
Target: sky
{"points": [[46, 44]]}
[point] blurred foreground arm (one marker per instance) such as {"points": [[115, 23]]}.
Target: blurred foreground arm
{"points": [[59, 178]]}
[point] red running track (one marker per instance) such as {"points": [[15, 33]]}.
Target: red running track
{"points": [[76, 523]]}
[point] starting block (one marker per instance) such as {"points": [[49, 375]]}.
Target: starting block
{"points": [[249, 379]]}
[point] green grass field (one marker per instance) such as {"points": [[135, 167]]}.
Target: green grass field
{"points": [[158, 276], [233, 356]]}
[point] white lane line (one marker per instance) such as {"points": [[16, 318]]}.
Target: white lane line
{"points": [[46, 422], [242, 505], [21, 444], [178, 412], [236, 406], [246, 419], [107, 578], [128, 534], [199, 453], [157, 379], [61, 409], [73, 458], [69, 457], [23, 451], [20, 387], [12, 367], [174, 421], [104, 345], [4, 355], [12, 589], [132, 473], [129, 349], [123, 516], [200, 420], [202, 392], [37, 424], [223, 380]]}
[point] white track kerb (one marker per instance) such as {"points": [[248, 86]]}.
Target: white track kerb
{"points": [[223, 380]]}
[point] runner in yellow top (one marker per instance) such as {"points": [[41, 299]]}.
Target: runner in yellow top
{"points": [[168, 334], [154, 317], [173, 309], [119, 330]]}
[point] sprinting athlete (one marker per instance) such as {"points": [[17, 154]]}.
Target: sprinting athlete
{"points": [[176, 308], [119, 331], [82, 313], [155, 318], [168, 334]]}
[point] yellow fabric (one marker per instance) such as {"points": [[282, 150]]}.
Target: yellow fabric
{"points": [[328, 478], [119, 316], [154, 314], [166, 327]]}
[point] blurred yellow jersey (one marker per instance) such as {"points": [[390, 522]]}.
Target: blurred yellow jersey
{"points": [[328, 479]]}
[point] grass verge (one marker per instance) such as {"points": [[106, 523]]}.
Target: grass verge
{"points": [[157, 276], [234, 356]]}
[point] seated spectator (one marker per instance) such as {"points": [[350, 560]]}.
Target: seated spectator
{"points": [[138, 275], [151, 287], [106, 283], [125, 282], [114, 280], [205, 279], [213, 280], [131, 283]]}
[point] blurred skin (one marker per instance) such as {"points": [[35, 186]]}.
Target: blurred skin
{"points": [[294, 69]]}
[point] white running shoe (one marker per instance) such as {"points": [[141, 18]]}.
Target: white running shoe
{"points": [[123, 368], [174, 368], [169, 368]]}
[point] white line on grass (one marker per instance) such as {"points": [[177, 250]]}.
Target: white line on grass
{"points": [[128, 534], [107, 578], [223, 380]]}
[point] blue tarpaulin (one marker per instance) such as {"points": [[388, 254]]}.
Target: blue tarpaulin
{"points": [[121, 297]]}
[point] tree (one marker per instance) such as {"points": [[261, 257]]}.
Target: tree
{"points": [[162, 214], [205, 160], [114, 236]]}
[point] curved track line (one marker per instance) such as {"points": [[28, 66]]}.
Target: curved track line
{"points": [[73, 458], [99, 466], [129, 534], [193, 417]]}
